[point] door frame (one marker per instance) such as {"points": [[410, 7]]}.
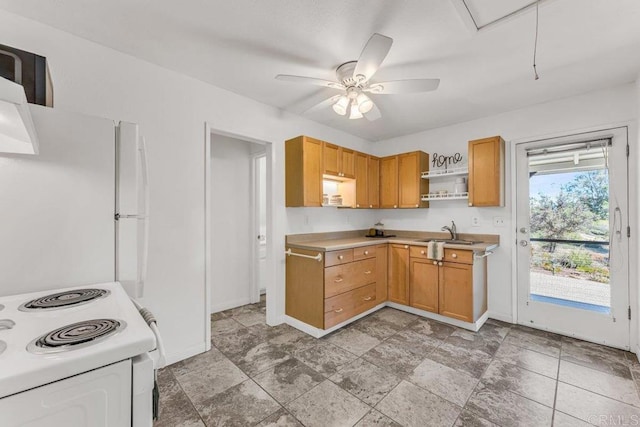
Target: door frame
{"points": [[208, 240], [633, 217], [255, 221]]}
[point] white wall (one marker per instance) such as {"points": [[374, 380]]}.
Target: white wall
{"points": [[172, 110], [603, 107], [231, 216]]}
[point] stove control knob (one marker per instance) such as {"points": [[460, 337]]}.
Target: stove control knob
{"points": [[7, 324]]}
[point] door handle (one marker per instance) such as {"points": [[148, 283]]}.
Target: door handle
{"points": [[524, 230], [524, 243]]}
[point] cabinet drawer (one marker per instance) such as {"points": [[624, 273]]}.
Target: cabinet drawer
{"points": [[418, 252], [458, 255], [345, 277], [365, 252], [338, 257], [344, 306]]}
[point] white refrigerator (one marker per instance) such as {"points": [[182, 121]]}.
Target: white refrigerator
{"points": [[77, 212]]}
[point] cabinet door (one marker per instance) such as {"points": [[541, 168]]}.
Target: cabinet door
{"points": [[423, 284], [331, 159], [347, 160], [362, 180], [381, 272], [398, 274], [409, 180], [486, 172], [389, 182], [303, 172], [373, 181], [456, 291]]}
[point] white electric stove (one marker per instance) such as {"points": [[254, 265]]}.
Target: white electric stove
{"points": [[80, 356]]}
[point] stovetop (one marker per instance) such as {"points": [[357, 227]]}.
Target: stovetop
{"points": [[115, 332]]}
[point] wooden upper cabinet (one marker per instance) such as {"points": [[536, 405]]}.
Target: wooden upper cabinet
{"points": [[373, 181], [347, 162], [486, 172], [338, 161], [362, 180], [303, 172], [389, 182], [331, 159], [398, 274], [410, 184]]}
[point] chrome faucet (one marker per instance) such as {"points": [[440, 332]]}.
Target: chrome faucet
{"points": [[452, 230]]}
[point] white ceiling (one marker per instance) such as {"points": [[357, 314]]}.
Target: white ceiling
{"points": [[241, 45]]}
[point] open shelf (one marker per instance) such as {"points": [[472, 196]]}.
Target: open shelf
{"points": [[445, 172], [448, 196]]}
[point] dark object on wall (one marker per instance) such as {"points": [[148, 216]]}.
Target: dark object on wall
{"points": [[30, 71]]}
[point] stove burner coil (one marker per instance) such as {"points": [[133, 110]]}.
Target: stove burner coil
{"points": [[64, 299], [76, 335]]}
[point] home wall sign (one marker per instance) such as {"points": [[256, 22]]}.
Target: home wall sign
{"points": [[440, 160]]}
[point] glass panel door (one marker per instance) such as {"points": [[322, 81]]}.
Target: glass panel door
{"points": [[572, 252]]}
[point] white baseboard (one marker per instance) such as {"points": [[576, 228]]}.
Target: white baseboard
{"points": [[638, 353], [186, 353], [230, 304], [501, 317], [319, 333], [429, 315]]}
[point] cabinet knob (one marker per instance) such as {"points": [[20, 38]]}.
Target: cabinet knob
{"points": [[470, 204], [338, 310], [421, 252], [357, 205], [454, 255], [440, 264], [366, 252], [435, 262], [340, 257], [406, 246], [370, 206], [417, 205], [367, 272], [338, 280], [395, 206], [367, 298]]}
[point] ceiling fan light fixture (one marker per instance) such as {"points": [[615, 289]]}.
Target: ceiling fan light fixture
{"points": [[340, 107], [355, 111], [365, 104]]}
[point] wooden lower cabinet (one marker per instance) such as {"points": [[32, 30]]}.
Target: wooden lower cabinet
{"points": [[423, 284], [345, 284], [456, 291], [398, 274]]}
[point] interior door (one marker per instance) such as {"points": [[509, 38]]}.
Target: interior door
{"points": [[572, 242], [260, 197]]}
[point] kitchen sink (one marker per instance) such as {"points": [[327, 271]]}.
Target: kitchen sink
{"points": [[453, 242]]}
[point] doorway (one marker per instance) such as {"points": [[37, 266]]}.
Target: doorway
{"points": [[572, 216], [237, 222]]}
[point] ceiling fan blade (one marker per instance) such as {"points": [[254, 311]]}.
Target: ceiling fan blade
{"points": [[324, 104], [372, 56], [403, 86], [373, 114], [309, 80]]}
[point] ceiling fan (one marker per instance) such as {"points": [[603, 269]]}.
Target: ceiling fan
{"points": [[354, 78]]}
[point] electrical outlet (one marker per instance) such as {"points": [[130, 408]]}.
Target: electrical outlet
{"points": [[498, 221], [475, 221]]}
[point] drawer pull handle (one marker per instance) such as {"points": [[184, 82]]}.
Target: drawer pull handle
{"points": [[338, 280], [440, 264], [421, 252], [406, 246], [435, 262], [366, 252], [367, 298], [338, 310], [367, 272], [340, 257], [454, 255]]}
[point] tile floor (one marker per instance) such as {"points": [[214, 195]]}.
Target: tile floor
{"points": [[395, 369]]}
